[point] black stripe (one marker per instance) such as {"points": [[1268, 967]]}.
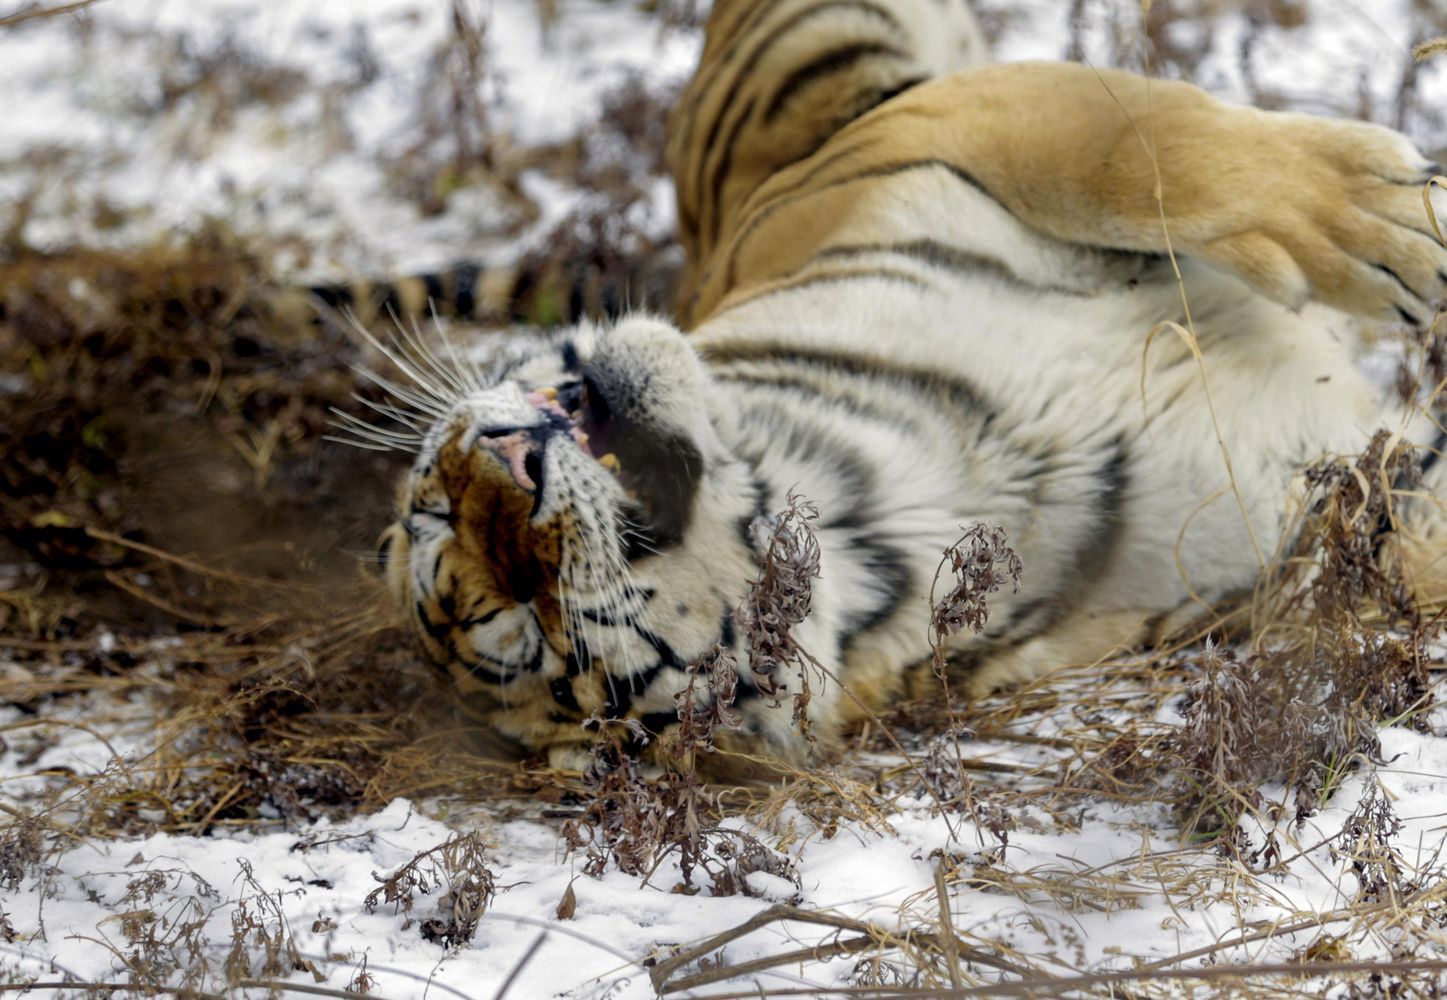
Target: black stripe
{"points": [[575, 277], [333, 296], [620, 691], [657, 722], [838, 60], [464, 300], [828, 396], [760, 510], [619, 698], [605, 616], [727, 633], [436, 292], [719, 175], [1091, 559], [944, 256], [569, 356], [884, 170], [757, 54], [1434, 453], [703, 83], [478, 672], [482, 619], [889, 94], [889, 578], [785, 285], [578, 658], [961, 392], [391, 304], [1384, 522], [439, 631]]}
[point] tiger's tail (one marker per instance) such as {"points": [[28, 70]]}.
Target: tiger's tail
{"points": [[542, 289]]}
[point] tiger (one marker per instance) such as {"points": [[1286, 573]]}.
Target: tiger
{"points": [[923, 291]]}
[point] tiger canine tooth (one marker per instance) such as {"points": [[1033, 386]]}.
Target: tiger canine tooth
{"points": [[547, 392], [611, 463]]}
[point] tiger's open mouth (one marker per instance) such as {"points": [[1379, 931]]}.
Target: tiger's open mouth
{"points": [[656, 467], [584, 410]]}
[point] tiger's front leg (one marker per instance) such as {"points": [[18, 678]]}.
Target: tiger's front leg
{"points": [[1297, 206], [1300, 207]]}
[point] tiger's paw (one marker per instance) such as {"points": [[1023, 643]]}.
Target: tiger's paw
{"points": [[1334, 210]]}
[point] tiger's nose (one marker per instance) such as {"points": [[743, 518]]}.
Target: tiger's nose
{"points": [[520, 450]]}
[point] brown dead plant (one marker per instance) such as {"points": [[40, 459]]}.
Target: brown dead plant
{"points": [[459, 867]]}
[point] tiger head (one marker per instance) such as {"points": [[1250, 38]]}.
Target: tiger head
{"points": [[573, 531]]}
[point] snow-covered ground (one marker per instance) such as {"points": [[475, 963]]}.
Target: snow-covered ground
{"points": [[301, 123], [1098, 886], [293, 121], [304, 122]]}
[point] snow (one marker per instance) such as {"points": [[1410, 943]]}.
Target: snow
{"points": [[1126, 890], [88, 104], [100, 119], [1348, 58], [88, 123]]}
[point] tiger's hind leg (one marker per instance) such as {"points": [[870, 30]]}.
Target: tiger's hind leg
{"points": [[779, 77]]}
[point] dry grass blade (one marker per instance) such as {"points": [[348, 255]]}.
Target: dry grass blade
{"points": [[1188, 337], [1435, 182], [272, 986], [520, 965], [1247, 977], [36, 13], [947, 926], [870, 935], [1430, 48]]}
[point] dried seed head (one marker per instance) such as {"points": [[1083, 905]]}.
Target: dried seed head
{"points": [[982, 562]]}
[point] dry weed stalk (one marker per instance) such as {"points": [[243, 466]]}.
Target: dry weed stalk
{"points": [[982, 562], [636, 822], [458, 865], [262, 945], [779, 601]]}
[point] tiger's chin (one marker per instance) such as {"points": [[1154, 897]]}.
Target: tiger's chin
{"points": [[567, 539]]}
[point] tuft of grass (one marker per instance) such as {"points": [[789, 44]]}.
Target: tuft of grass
{"points": [[459, 866], [1339, 648]]}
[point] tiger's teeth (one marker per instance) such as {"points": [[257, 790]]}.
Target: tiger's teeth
{"points": [[611, 463], [547, 392]]}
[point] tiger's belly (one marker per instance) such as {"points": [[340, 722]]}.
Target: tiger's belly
{"points": [[1077, 422]]}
